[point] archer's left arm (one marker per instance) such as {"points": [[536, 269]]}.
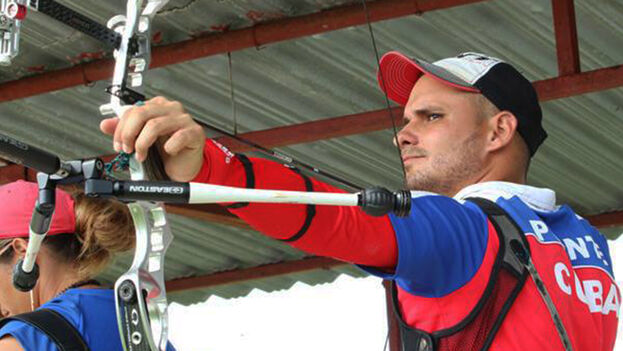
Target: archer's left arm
{"points": [[345, 233]]}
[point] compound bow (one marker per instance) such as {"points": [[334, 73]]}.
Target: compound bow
{"points": [[140, 293]]}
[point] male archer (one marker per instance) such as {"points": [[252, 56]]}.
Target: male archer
{"points": [[483, 261]]}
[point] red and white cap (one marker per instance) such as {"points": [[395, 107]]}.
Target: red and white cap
{"points": [[497, 80], [17, 201]]}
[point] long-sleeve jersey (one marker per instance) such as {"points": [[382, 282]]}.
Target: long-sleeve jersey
{"points": [[441, 255]]}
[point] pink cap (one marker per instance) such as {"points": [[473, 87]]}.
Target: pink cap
{"points": [[17, 201]]}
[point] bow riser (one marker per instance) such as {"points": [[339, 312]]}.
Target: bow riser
{"points": [[140, 294]]}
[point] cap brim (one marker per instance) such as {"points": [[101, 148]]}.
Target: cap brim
{"points": [[397, 76], [17, 202]]}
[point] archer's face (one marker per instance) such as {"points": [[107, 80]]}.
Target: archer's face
{"points": [[442, 141]]}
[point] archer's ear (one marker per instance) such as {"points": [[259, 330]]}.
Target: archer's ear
{"points": [[502, 128], [19, 246]]}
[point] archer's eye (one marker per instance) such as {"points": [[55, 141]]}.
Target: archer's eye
{"points": [[434, 116]]}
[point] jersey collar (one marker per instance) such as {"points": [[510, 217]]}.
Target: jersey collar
{"points": [[538, 198]]}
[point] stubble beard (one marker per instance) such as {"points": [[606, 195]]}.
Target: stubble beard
{"points": [[449, 172]]}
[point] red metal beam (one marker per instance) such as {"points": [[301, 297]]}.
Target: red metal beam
{"points": [[260, 272], [208, 212], [14, 172], [566, 37], [307, 132], [213, 44], [607, 220], [549, 89], [581, 83]]}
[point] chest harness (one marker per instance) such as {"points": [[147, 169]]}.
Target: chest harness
{"points": [[512, 267]]}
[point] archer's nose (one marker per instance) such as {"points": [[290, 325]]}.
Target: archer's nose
{"points": [[407, 136]]}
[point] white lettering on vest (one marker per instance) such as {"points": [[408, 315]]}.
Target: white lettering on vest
{"points": [[590, 291], [539, 228], [228, 154], [597, 249], [559, 268], [574, 247], [579, 290], [594, 295], [612, 302]]}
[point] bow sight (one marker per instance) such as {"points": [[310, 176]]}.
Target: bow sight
{"points": [[13, 12]]}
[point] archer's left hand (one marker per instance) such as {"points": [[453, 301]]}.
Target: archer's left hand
{"points": [[165, 124]]}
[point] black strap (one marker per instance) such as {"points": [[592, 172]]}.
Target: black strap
{"points": [[515, 242], [250, 184], [513, 258], [518, 247], [310, 209], [250, 180], [55, 326]]}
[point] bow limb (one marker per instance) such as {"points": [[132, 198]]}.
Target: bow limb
{"points": [[133, 56]]}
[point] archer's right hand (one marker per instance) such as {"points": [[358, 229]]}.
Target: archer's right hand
{"points": [[165, 124]]}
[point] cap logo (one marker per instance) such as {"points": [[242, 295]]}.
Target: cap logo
{"points": [[469, 66]]}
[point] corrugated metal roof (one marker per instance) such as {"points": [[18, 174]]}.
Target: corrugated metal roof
{"points": [[324, 76]]}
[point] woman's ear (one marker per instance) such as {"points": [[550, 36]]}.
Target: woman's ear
{"points": [[502, 129], [19, 246]]}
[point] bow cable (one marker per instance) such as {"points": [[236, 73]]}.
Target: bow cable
{"points": [[232, 93], [391, 115], [382, 79], [281, 157]]}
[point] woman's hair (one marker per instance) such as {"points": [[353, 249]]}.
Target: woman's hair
{"points": [[104, 228]]}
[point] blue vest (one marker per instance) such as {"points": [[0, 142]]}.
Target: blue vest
{"points": [[90, 311]]}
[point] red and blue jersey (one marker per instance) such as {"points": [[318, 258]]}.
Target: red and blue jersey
{"points": [[441, 255], [446, 250]]}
